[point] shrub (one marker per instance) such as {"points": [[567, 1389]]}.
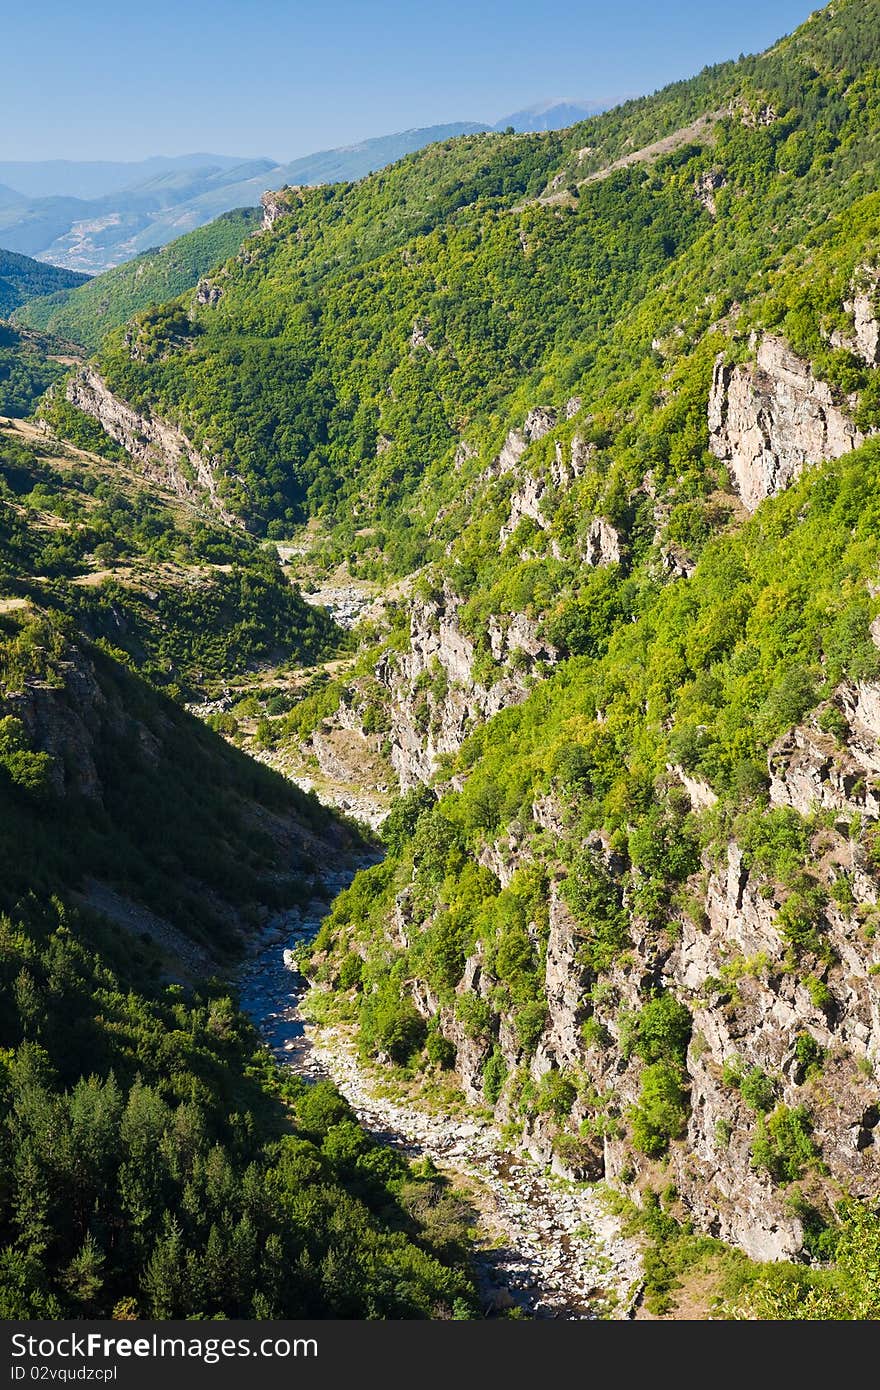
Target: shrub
{"points": [[662, 1110], [350, 970], [556, 1095], [758, 1090], [494, 1076], [530, 1022], [783, 1145], [440, 1050], [659, 1032], [390, 1023]]}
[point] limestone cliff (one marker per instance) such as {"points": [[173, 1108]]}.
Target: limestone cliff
{"points": [[863, 308], [771, 418], [277, 204], [434, 698], [758, 1006], [163, 450]]}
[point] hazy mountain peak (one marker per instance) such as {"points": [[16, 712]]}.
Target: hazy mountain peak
{"points": [[555, 114]]}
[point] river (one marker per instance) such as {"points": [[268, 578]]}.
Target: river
{"points": [[547, 1246]]}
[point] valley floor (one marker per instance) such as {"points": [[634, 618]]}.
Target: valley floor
{"points": [[545, 1246]]}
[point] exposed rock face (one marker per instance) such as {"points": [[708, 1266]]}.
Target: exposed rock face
{"points": [[65, 722], [565, 983], [530, 496], [863, 307], [771, 419], [278, 204], [866, 325], [208, 292], [603, 543], [706, 186], [700, 793], [526, 502], [164, 452], [419, 337], [435, 701], [539, 421]]}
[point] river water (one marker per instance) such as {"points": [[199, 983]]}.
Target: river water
{"points": [[546, 1246]]}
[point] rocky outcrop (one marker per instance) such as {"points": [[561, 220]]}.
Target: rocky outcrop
{"points": [[862, 306], [535, 495], [706, 186], [434, 699], [208, 292], [539, 421], [866, 326], [811, 770], [700, 794], [419, 337], [66, 721], [166, 455], [278, 204], [603, 545], [770, 419]]}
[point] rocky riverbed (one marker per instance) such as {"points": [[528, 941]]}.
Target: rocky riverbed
{"points": [[547, 1246]]}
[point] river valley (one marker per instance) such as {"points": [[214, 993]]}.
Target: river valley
{"points": [[546, 1247]]}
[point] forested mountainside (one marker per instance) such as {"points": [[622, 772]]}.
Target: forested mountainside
{"points": [[22, 279], [29, 364], [156, 1162], [602, 404], [51, 326], [85, 312], [96, 215], [378, 328]]}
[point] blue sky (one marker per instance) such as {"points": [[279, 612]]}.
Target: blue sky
{"points": [[282, 78]]}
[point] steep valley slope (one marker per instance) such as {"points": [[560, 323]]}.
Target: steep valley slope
{"points": [[157, 1163], [591, 417]]}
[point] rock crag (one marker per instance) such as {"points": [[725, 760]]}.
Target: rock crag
{"points": [[771, 418]]}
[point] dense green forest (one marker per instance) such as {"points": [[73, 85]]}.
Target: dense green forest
{"points": [[157, 1163], [28, 367], [22, 278], [85, 312], [378, 324], [629, 897]]}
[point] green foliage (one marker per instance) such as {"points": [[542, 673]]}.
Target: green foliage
{"points": [[390, 1023], [662, 1109], [758, 1090], [85, 312], [659, 1032], [849, 1291], [402, 819], [154, 1158], [220, 605], [494, 1076], [556, 1094], [783, 1145], [440, 1050], [756, 1087], [23, 279], [595, 901], [26, 769], [27, 368]]}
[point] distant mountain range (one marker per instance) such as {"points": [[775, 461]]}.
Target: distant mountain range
{"points": [[93, 215]]}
